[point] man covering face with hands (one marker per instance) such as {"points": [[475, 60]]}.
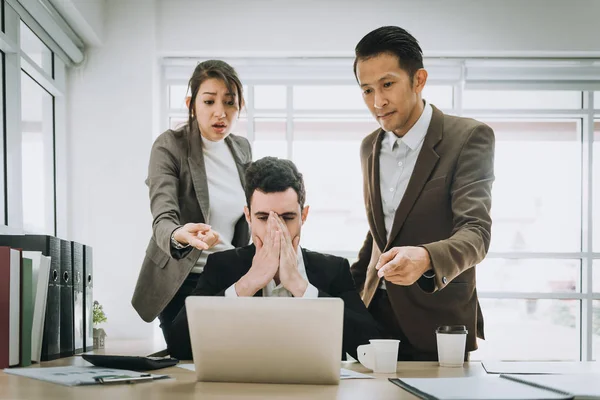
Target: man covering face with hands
{"points": [[276, 259], [276, 265]]}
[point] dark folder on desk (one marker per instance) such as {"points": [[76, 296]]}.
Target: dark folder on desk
{"points": [[476, 388], [49, 246], [67, 347], [88, 298], [78, 282], [26, 310]]}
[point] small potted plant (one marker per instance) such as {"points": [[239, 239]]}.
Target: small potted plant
{"points": [[98, 317]]}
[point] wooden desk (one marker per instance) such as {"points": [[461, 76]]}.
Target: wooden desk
{"points": [[184, 385]]}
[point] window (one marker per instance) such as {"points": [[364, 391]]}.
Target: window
{"points": [[36, 50], [530, 329], [37, 124], [596, 329], [536, 275], [177, 95], [3, 220], [347, 97], [596, 186], [439, 96], [326, 152], [596, 277], [270, 138], [270, 97], [521, 99], [529, 275], [537, 192]]}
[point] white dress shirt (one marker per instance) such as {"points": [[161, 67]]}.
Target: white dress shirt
{"points": [[273, 290], [397, 160]]}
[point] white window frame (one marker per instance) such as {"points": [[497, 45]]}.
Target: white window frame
{"points": [[16, 61]]}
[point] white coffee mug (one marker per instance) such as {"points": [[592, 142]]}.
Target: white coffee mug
{"points": [[451, 342], [381, 356]]}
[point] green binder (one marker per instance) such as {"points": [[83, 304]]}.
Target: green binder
{"points": [[26, 311]]}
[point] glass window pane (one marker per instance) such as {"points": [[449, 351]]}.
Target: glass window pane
{"points": [[241, 127], [521, 99], [597, 100], [269, 138], [439, 96], [36, 49], [270, 97], [596, 330], [513, 328], [596, 187], [333, 97], [176, 122], [177, 95], [536, 197], [596, 277], [2, 139], [327, 154], [37, 123], [524, 275]]}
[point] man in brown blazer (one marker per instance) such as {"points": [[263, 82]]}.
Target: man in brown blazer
{"points": [[427, 191]]}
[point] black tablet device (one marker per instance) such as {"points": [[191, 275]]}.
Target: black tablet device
{"points": [[129, 362]]}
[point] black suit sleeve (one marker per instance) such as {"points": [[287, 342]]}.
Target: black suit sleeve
{"points": [[210, 283], [217, 277], [359, 325]]}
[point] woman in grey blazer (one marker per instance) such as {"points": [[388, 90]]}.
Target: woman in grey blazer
{"points": [[195, 178]]}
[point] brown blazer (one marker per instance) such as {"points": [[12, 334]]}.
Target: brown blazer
{"points": [[178, 195], [446, 209]]}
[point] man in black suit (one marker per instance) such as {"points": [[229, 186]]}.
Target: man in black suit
{"points": [[275, 265]]}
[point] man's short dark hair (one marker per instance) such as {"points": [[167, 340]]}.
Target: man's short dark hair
{"points": [[274, 175], [391, 40]]}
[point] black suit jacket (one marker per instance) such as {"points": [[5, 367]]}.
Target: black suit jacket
{"points": [[329, 274]]}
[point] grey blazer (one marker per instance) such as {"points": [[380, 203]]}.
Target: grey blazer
{"points": [[179, 195]]}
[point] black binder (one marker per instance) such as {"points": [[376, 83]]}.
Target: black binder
{"points": [[88, 298], [78, 314], [50, 247], [67, 347]]}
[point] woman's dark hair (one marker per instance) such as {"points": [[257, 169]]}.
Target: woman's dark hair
{"points": [[391, 40], [274, 175], [216, 69]]}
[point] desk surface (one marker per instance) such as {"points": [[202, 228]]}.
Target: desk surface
{"points": [[184, 385]]}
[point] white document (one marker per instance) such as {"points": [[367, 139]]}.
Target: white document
{"points": [[73, 376], [189, 367], [14, 333], [344, 373], [476, 388], [349, 374], [541, 367], [40, 275], [582, 386]]}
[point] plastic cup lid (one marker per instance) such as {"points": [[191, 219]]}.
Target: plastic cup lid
{"points": [[452, 329]]}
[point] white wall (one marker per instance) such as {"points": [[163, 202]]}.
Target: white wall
{"points": [[443, 27], [113, 103]]}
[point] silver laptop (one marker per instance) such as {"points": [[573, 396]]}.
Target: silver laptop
{"points": [[267, 340]]}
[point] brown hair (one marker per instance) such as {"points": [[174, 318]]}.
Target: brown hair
{"points": [[274, 175], [213, 69]]}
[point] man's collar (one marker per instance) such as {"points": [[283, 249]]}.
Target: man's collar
{"points": [[416, 134]]}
